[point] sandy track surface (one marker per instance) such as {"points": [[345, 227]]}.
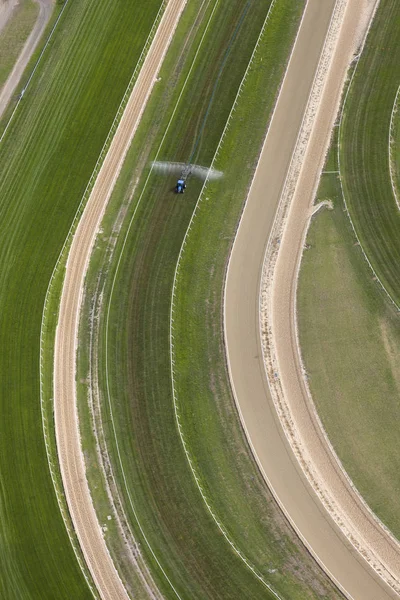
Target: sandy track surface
{"points": [[290, 390], [66, 419], [6, 10], [260, 417], [45, 11]]}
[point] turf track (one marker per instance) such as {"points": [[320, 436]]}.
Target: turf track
{"points": [[46, 159], [172, 513], [364, 156]]}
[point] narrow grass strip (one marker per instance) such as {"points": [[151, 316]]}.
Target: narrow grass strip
{"points": [[129, 496], [191, 463]]}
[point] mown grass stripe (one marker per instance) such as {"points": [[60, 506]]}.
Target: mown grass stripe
{"points": [[46, 157]]}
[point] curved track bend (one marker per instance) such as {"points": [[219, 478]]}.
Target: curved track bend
{"points": [[7, 8], [259, 416], [45, 11], [70, 455]]}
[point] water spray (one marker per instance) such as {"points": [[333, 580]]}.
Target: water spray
{"points": [[184, 170]]}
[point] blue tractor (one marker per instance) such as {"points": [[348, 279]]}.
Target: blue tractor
{"points": [[180, 186]]}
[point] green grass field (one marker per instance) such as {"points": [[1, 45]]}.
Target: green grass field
{"points": [[364, 155], [174, 517], [14, 36], [46, 160]]}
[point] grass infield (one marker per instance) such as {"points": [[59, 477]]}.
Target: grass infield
{"points": [[350, 342], [46, 159], [172, 513]]}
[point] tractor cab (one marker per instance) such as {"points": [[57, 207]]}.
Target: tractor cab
{"points": [[180, 186]]}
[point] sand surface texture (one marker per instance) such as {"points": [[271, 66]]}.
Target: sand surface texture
{"points": [[6, 10], [66, 419], [269, 420]]}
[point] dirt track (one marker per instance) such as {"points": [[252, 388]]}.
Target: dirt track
{"points": [[242, 330], [45, 10], [67, 429], [6, 10]]}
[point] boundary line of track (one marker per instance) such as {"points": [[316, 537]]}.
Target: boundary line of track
{"points": [[220, 526], [52, 462], [392, 169]]}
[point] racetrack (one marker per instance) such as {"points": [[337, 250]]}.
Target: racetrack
{"points": [[242, 331], [6, 10], [45, 11], [66, 422]]}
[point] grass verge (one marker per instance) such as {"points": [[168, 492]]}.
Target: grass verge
{"points": [[160, 488], [14, 36], [46, 158]]}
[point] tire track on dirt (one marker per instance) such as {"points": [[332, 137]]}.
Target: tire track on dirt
{"points": [[7, 8]]}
